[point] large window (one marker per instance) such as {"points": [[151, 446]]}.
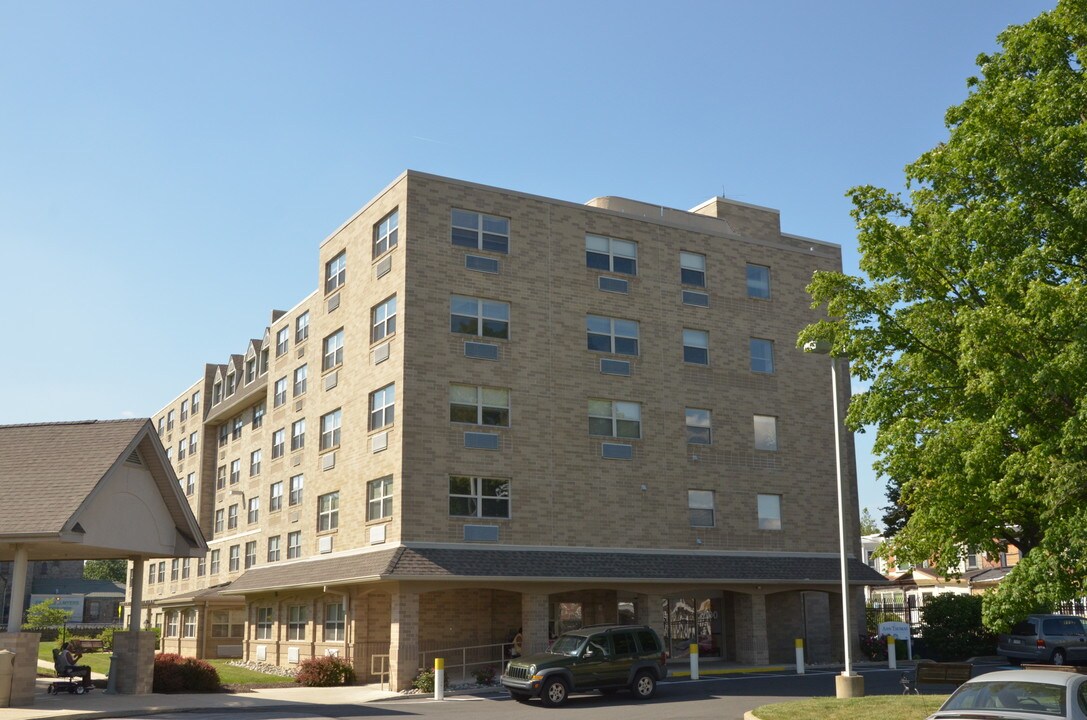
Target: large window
{"points": [[254, 463], [479, 405], [700, 506], [300, 375], [171, 623], [479, 497], [699, 428], [766, 432], [383, 319], [214, 562], [769, 512], [237, 424], [335, 621], [692, 269], [250, 554], [611, 335], [382, 407], [220, 516], [379, 498], [330, 429], [336, 272], [235, 471], [758, 282], [611, 255], [696, 347], [196, 402], [333, 351], [278, 440], [295, 490], [481, 232], [279, 396], [275, 496], [258, 415], [234, 559], [265, 621], [298, 434], [250, 370], [482, 318], [294, 544], [296, 622], [184, 410], [232, 517], [273, 549], [612, 418], [762, 355], [169, 421], [193, 437], [283, 340], [385, 233], [328, 511], [301, 327], [253, 512]]}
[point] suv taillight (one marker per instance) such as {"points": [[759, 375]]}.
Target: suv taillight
{"points": [[664, 658], [1040, 643]]}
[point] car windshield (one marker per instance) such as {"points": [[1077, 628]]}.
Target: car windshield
{"points": [[567, 644], [1032, 697]]}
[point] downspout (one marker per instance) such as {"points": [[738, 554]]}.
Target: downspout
{"points": [[204, 633]]}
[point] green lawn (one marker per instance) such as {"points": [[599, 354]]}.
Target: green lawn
{"points": [[228, 674], [884, 707]]}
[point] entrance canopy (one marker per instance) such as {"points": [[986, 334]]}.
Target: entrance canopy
{"points": [[91, 490]]}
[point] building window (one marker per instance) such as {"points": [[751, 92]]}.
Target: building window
{"points": [[769, 512], [250, 370], [692, 269], [479, 405], [612, 418], [479, 497], [333, 346], [283, 341], [300, 374], [610, 335], [295, 490], [214, 562], [184, 410], [196, 402], [219, 515], [151, 574], [383, 319], [181, 445], [265, 620], [611, 255], [220, 625], [481, 232], [382, 407], [231, 383], [253, 514], [480, 318], [328, 512], [294, 544], [250, 554], [162, 426], [330, 430], [234, 559], [279, 396], [171, 623], [193, 437], [201, 566], [766, 432], [385, 233], [379, 498], [298, 434], [170, 421], [186, 568], [335, 622], [277, 443], [175, 569], [162, 571], [169, 454], [296, 622], [232, 517], [273, 549], [758, 281], [275, 497], [236, 428], [254, 463], [258, 414], [224, 434], [700, 507], [762, 355], [699, 429], [301, 327], [217, 392], [235, 471], [190, 483], [336, 272], [263, 366], [696, 347]]}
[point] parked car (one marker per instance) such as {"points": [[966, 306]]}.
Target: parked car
{"points": [[1057, 639], [599, 657], [1019, 695]]}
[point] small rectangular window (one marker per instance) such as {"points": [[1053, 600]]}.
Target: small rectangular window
{"points": [[692, 269], [479, 405], [480, 232], [758, 281], [300, 376], [769, 512], [383, 319], [330, 429], [379, 498], [328, 511], [336, 272], [301, 327], [254, 463], [699, 430], [613, 418], [696, 347], [382, 407], [278, 441], [295, 489], [279, 392], [479, 317], [611, 255], [294, 544], [275, 496], [298, 434], [612, 335], [766, 432], [273, 549], [253, 511], [700, 506], [333, 351], [479, 497], [235, 471], [385, 233], [762, 356]]}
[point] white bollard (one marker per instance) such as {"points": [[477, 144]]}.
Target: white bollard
{"points": [[439, 678], [800, 656], [892, 652], [694, 661]]}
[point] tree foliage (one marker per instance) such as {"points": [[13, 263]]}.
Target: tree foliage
{"points": [[43, 615], [972, 324], [115, 570], [952, 628], [869, 526]]}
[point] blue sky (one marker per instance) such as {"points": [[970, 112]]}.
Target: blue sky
{"points": [[168, 169]]}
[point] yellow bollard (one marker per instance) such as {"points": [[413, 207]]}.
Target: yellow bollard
{"points": [[694, 661], [800, 656], [439, 678], [892, 652]]}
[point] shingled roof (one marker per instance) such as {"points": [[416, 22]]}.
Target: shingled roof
{"points": [[550, 564], [62, 488]]}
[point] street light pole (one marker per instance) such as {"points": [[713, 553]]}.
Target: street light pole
{"points": [[847, 684]]}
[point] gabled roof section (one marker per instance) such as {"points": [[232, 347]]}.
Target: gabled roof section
{"points": [[73, 490]]}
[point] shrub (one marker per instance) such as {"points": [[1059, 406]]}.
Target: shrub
{"points": [[485, 675], [327, 671], [106, 636], [874, 647], [424, 681], [952, 629], [174, 673]]}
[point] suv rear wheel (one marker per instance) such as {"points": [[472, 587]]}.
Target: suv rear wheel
{"points": [[1058, 657], [554, 692], [644, 685]]}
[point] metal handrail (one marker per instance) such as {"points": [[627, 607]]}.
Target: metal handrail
{"points": [[382, 671], [495, 654]]}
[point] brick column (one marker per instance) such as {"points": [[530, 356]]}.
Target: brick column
{"points": [[403, 640], [134, 661], [25, 647], [648, 611], [534, 614], [751, 644]]}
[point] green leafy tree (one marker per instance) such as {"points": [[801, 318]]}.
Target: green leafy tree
{"points": [[115, 570], [869, 526], [43, 615], [952, 628], [972, 325]]}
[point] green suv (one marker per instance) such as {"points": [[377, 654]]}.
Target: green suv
{"points": [[599, 657]]}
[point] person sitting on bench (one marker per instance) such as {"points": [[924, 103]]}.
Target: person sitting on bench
{"points": [[69, 656]]}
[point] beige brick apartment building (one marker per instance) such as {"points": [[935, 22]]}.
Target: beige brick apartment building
{"points": [[503, 411]]}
